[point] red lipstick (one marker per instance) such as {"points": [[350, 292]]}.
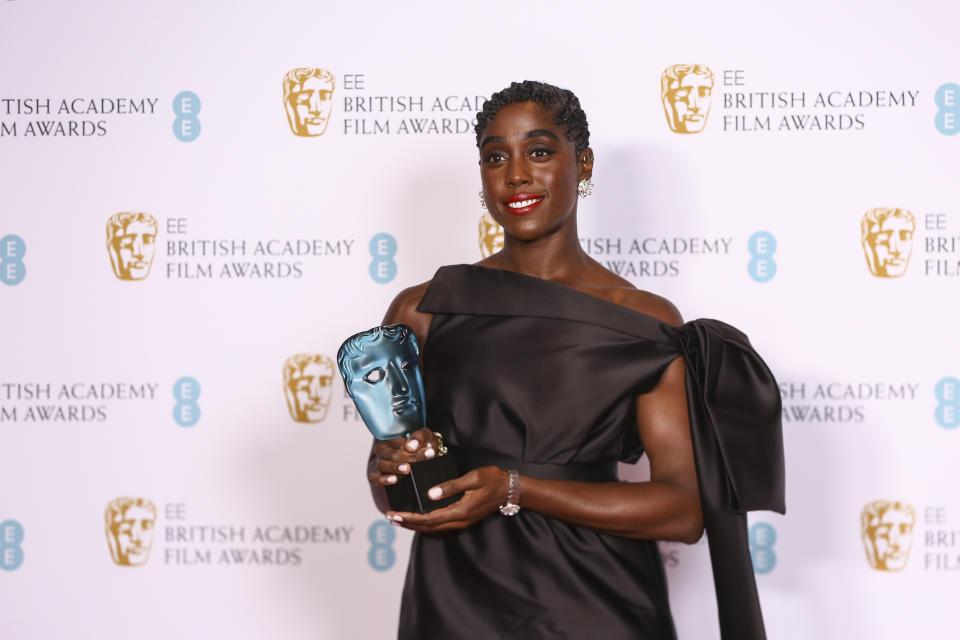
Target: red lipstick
{"points": [[523, 203]]}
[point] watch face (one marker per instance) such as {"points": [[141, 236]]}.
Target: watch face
{"points": [[510, 509]]}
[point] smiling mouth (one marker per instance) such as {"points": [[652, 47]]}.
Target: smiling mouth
{"points": [[522, 204]]}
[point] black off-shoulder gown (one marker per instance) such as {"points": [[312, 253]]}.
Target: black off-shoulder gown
{"points": [[527, 374]]}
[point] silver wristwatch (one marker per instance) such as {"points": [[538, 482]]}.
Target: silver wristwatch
{"points": [[512, 506]]}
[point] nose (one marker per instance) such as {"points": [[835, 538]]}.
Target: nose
{"points": [[315, 102], [397, 380], [693, 100], [517, 173], [135, 532], [138, 246], [314, 389]]}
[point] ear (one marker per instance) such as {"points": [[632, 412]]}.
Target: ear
{"points": [[585, 163]]}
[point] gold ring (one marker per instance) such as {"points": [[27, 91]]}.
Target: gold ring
{"points": [[441, 447]]}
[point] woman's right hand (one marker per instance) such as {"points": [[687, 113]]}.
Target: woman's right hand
{"points": [[392, 458]]}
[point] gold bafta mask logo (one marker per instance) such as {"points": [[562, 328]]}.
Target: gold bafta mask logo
{"points": [[308, 99], [308, 386], [887, 238], [491, 235], [686, 91], [131, 243], [129, 527], [887, 531]]}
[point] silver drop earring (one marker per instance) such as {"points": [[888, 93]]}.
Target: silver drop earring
{"points": [[483, 201]]}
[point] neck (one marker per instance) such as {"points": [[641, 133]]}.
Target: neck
{"points": [[555, 256]]}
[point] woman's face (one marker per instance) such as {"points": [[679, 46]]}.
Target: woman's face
{"points": [[530, 171]]}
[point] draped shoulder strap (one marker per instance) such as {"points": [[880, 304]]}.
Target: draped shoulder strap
{"points": [[740, 401], [734, 407]]}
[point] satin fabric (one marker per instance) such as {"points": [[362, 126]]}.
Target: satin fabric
{"points": [[528, 374]]}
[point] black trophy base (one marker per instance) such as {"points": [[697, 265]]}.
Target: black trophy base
{"points": [[410, 492]]}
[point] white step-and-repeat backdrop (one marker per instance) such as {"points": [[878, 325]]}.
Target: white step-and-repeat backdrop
{"points": [[200, 200]]}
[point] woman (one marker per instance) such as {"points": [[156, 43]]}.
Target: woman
{"points": [[542, 369]]}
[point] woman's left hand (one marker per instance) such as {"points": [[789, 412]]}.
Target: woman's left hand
{"points": [[484, 489]]}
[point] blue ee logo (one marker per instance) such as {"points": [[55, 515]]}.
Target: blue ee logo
{"points": [[947, 392], [383, 247], [947, 119], [11, 536], [762, 266], [186, 412], [12, 269], [762, 536], [381, 556], [186, 106]]}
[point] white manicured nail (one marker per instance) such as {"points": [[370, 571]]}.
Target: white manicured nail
{"points": [[391, 479], [435, 493], [397, 519], [429, 453], [403, 468], [413, 445]]}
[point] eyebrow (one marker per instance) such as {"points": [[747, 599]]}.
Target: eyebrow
{"points": [[541, 133], [536, 133]]}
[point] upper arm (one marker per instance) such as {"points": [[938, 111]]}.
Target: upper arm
{"points": [[664, 426], [662, 415], [403, 310]]}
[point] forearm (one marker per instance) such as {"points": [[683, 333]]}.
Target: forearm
{"points": [[377, 491], [657, 509]]}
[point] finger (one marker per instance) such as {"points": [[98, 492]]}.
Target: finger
{"points": [[398, 518], [440, 528], [396, 455], [391, 443], [453, 487], [382, 479], [463, 510], [423, 521], [418, 439], [384, 448], [388, 466], [445, 519], [425, 452]]}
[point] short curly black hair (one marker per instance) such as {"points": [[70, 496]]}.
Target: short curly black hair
{"points": [[563, 103]]}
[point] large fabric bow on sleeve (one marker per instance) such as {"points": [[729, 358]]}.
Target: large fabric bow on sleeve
{"points": [[735, 414]]}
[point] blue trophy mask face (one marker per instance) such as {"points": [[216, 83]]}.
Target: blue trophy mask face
{"points": [[385, 383]]}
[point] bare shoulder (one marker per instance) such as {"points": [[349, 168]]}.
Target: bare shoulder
{"points": [[620, 291], [648, 303], [403, 310]]}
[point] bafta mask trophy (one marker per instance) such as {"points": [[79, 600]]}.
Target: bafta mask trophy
{"points": [[380, 369]]}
